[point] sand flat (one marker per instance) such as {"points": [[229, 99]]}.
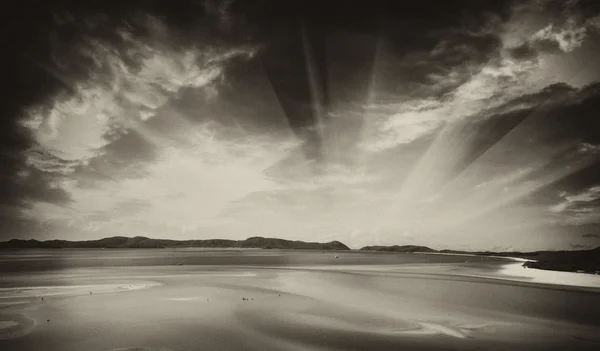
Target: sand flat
{"points": [[516, 270], [411, 305]]}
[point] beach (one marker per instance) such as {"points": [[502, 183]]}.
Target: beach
{"points": [[281, 300]]}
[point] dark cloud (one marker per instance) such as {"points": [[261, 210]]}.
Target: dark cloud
{"points": [[21, 183], [562, 26], [485, 131], [52, 47], [451, 62], [591, 236], [367, 15], [556, 131], [293, 29], [545, 113], [532, 49], [531, 102], [27, 84], [287, 67], [560, 12], [243, 98], [37, 39]]}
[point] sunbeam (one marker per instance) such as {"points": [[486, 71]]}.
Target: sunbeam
{"points": [[274, 175], [391, 130], [537, 112], [317, 98], [513, 192]]}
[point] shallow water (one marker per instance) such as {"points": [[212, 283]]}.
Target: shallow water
{"points": [[277, 300]]}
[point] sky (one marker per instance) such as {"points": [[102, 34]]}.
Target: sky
{"points": [[456, 125]]}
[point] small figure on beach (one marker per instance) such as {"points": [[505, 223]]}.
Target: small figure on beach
{"points": [[42, 299], [90, 292], [47, 320]]}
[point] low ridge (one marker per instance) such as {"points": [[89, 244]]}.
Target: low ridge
{"points": [[144, 242]]}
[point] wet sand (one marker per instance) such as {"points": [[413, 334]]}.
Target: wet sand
{"points": [[358, 304]]}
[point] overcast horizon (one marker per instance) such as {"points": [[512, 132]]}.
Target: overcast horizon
{"points": [[467, 125]]}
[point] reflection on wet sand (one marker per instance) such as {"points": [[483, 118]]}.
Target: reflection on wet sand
{"points": [[14, 325], [351, 307]]}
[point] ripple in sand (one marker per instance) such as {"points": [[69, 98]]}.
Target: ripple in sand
{"points": [[13, 326]]}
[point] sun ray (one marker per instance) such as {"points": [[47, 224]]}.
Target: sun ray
{"points": [[269, 84], [317, 98], [505, 193], [538, 112], [284, 117], [367, 122]]}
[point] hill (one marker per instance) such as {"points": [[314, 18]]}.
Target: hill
{"points": [[568, 261], [148, 243], [273, 243], [587, 261]]}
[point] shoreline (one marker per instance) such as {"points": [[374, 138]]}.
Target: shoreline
{"points": [[550, 277], [474, 255], [515, 271]]}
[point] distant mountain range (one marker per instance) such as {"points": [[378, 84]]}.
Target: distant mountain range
{"points": [[147, 243], [580, 260]]}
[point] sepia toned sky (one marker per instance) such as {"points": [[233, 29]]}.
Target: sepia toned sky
{"points": [[458, 124]]}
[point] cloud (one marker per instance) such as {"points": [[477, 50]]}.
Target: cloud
{"points": [[588, 195], [453, 137], [183, 188], [488, 88], [446, 61], [516, 154], [474, 69], [87, 96], [530, 50], [549, 27], [21, 181], [579, 208], [597, 236], [551, 40], [129, 78]]}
